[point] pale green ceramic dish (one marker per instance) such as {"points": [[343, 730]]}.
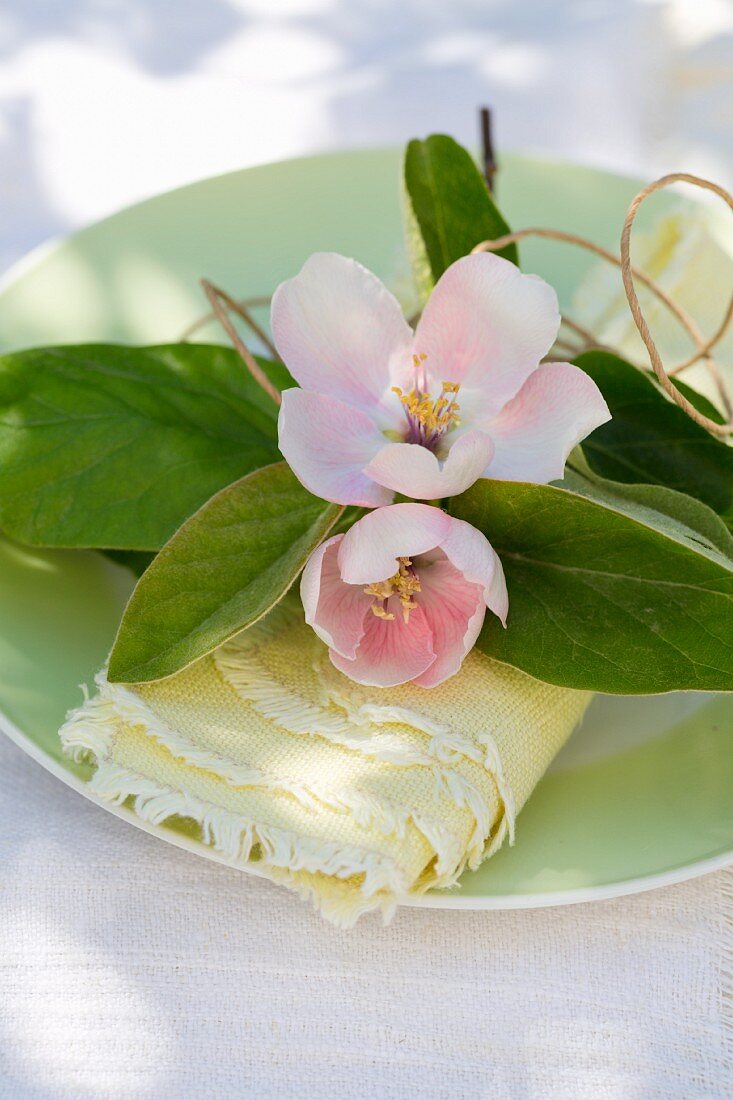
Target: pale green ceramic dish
{"points": [[643, 794]]}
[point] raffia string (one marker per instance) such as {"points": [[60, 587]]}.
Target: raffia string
{"points": [[627, 275], [222, 304], [590, 246], [709, 344], [629, 272]]}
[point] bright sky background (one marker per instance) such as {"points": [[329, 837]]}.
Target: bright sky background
{"points": [[103, 102]]}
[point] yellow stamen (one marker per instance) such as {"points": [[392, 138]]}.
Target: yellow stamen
{"points": [[404, 584], [433, 416]]}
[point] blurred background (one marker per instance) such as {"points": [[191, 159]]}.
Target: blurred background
{"points": [[103, 102]]}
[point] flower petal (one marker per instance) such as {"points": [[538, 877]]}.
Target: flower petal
{"points": [[371, 547], [391, 651], [414, 471], [335, 610], [338, 328], [473, 555], [486, 325], [454, 608], [556, 407], [310, 581], [328, 444]]}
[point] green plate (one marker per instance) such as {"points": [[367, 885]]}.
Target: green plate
{"points": [[642, 794]]}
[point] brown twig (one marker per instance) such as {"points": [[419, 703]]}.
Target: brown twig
{"points": [[568, 347], [242, 308], [628, 273], [487, 148], [216, 296], [580, 330], [565, 346]]}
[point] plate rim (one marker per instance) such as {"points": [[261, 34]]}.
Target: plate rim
{"points": [[25, 263], [454, 898]]}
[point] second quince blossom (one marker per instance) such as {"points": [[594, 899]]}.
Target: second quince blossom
{"points": [[402, 595], [384, 410]]}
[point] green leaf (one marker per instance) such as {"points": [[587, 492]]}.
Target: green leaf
{"points": [[654, 505], [112, 446], [697, 400], [650, 440], [137, 561], [448, 208], [225, 568], [617, 596]]}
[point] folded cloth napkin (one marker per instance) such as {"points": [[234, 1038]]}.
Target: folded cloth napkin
{"points": [[357, 797]]}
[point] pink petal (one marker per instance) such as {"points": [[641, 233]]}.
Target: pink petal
{"points": [[391, 652], [486, 325], [414, 471], [338, 329], [335, 610], [556, 407], [328, 444], [371, 547], [454, 608], [473, 555], [310, 581]]}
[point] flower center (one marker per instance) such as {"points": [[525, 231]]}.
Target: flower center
{"points": [[404, 584], [428, 420]]}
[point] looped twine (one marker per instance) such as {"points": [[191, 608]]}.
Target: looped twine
{"points": [[629, 273], [640, 321]]}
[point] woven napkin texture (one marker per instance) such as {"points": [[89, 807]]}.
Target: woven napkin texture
{"points": [[355, 797]]}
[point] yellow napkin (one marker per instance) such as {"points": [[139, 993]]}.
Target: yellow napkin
{"points": [[357, 797]]}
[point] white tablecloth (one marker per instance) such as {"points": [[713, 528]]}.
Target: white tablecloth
{"points": [[106, 101], [132, 970]]}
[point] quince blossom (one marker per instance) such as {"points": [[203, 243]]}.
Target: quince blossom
{"points": [[384, 410], [402, 595]]}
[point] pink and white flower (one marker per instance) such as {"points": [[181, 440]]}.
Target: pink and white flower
{"points": [[383, 409], [402, 595]]}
